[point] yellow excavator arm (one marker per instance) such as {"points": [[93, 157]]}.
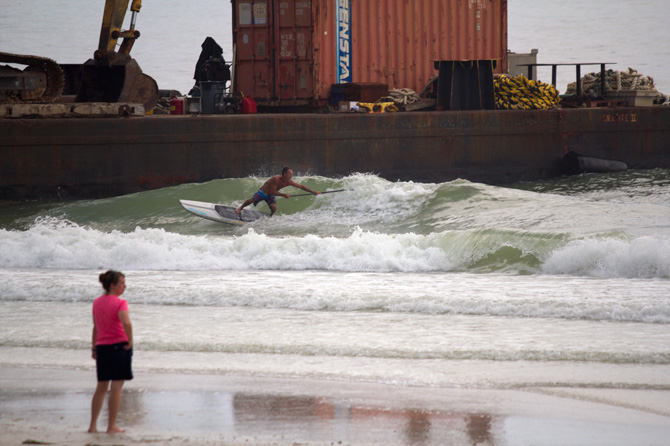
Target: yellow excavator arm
{"points": [[111, 32], [113, 76]]}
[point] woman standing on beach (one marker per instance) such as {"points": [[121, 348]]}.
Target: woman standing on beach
{"points": [[112, 347]]}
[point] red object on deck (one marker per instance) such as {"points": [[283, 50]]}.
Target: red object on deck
{"points": [[248, 105], [177, 106]]}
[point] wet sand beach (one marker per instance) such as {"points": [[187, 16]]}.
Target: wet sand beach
{"points": [[51, 405]]}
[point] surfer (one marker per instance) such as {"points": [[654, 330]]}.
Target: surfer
{"points": [[269, 191]]}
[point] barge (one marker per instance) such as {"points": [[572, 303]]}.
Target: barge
{"points": [[97, 157], [88, 149]]}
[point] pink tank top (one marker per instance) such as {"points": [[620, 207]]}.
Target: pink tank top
{"points": [[106, 314]]}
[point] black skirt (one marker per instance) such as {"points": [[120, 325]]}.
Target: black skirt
{"points": [[113, 362]]}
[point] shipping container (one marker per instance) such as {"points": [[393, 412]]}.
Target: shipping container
{"points": [[289, 52]]}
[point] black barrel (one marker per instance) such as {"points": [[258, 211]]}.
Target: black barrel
{"points": [[574, 164]]}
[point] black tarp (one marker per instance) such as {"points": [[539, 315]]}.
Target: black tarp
{"points": [[211, 65]]}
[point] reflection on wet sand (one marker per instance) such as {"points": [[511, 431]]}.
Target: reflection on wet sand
{"points": [[321, 419], [325, 420], [231, 415], [214, 409], [479, 429], [133, 411], [417, 429]]}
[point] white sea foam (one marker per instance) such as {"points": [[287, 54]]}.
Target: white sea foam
{"points": [[613, 257], [55, 243]]}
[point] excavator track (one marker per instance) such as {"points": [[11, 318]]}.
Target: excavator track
{"points": [[55, 79]]}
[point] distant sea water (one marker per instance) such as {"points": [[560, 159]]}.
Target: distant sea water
{"points": [[630, 33]]}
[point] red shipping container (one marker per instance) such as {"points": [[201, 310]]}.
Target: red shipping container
{"points": [[289, 52]]}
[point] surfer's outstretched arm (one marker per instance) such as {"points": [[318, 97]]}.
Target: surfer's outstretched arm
{"points": [[305, 188]]}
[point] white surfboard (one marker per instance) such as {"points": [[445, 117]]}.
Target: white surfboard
{"points": [[221, 213]]}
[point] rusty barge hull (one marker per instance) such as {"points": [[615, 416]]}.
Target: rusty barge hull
{"points": [[91, 158]]}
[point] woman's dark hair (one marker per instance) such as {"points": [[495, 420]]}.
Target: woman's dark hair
{"points": [[110, 278]]}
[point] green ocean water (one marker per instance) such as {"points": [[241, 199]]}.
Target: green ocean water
{"points": [[458, 225]]}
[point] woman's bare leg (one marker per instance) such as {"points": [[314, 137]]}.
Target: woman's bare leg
{"points": [[114, 406], [96, 404]]}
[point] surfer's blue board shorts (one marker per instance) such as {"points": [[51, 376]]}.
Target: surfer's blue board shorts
{"points": [[261, 196]]}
